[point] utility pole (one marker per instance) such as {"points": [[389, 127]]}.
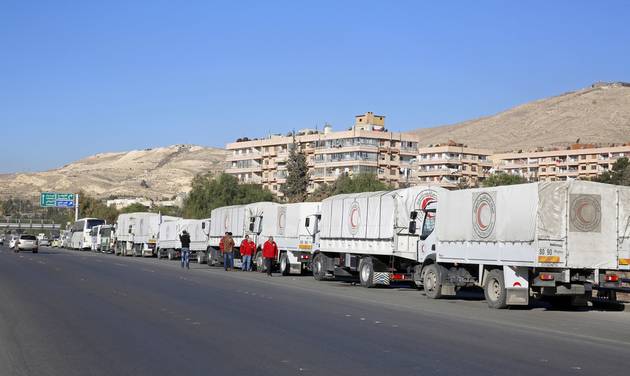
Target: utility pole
{"points": [[76, 207]]}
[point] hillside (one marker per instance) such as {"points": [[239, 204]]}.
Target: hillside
{"points": [[157, 173], [596, 115]]}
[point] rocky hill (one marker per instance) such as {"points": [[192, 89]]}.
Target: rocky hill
{"points": [[599, 114], [158, 173]]}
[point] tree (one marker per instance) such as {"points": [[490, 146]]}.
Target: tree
{"points": [[92, 207], [362, 182], [209, 192], [501, 178], [296, 186], [135, 208], [619, 173]]}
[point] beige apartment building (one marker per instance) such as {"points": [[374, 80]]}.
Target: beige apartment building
{"points": [[577, 162], [453, 165], [367, 147]]}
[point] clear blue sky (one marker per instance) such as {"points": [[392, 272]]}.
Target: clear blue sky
{"points": [[81, 77]]}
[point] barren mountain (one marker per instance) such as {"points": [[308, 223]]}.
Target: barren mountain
{"points": [[596, 115], [158, 173]]}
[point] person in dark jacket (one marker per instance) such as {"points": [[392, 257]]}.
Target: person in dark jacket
{"points": [[184, 238]]}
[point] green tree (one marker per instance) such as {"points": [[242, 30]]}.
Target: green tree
{"points": [[619, 174], [501, 178], [135, 208], [296, 186], [167, 210], [209, 192], [95, 208], [362, 182]]}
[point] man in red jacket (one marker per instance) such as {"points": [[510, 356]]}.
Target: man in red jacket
{"points": [[270, 253], [247, 250]]}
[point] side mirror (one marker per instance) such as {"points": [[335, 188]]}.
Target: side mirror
{"points": [[251, 227], [130, 229], [412, 227], [413, 215], [307, 222], [203, 225]]}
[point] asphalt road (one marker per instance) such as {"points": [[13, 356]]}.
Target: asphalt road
{"points": [[78, 313]]}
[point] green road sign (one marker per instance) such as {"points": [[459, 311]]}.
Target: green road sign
{"points": [[56, 200]]}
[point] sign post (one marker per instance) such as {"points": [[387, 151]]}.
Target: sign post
{"points": [[60, 200]]}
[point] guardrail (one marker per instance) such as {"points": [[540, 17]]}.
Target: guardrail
{"points": [[29, 224]]}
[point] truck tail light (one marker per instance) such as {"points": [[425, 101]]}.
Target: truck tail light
{"points": [[546, 277], [398, 277]]}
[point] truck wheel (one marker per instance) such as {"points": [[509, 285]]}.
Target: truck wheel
{"points": [[158, 253], [285, 266], [366, 272], [170, 255], [200, 259], [319, 273], [433, 280], [494, 290], [212, 257]]}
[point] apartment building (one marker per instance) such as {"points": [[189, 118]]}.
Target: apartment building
{"points": [[452, 165], [577, 162], [367, 147]]}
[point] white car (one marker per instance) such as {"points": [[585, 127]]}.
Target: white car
{"points": [[44, 242], [26, 243]]}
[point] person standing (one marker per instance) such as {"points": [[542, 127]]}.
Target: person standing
{"points": [[270, 253], [228, 252], [184, 238], [247, 250]]}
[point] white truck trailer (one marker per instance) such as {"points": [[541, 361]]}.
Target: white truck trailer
{"points": [[371, 237], [294, 229], [137, 233], [169, 245], [240, 220], [551, 239]]}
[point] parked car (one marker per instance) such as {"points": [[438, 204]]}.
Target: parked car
{"points": [[1, 240], [26, 243], [44, 242], [56, 242], [13, 241]]}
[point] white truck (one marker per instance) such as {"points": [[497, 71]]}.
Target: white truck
{"points": [[169, 245], [550, 239], [371, 237], [294, 229], [137, 233], [240, 220]]}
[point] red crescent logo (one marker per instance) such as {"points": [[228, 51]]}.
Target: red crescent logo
{"points": [[578, 212], [482, 226], [352, 215], [516, 284]]}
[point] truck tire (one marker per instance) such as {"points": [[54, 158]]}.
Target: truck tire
{"points": [[319, 272], [260, 263], [170, 255], [199, 257], [494, 289], [285, 266], [366, 272], [158, 253], [433, 281], [212, 261]]}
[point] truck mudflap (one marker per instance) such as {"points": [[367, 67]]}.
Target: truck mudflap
{"points": [[516, 285]]}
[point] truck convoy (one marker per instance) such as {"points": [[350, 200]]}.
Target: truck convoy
{"points": [[549, 240], [137, 233], [169, 246]]}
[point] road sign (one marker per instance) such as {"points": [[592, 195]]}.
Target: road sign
{"points": [[56, 200]]}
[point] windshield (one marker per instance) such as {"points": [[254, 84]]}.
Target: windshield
{"points": [[106, 232], [428, 224], [28, 237], [94, 222]]}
